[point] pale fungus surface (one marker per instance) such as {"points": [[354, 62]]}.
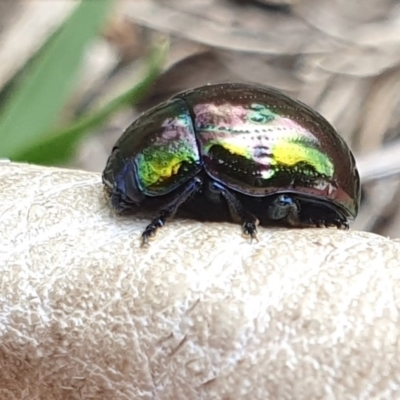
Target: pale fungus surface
{"points": [[199, 314]]}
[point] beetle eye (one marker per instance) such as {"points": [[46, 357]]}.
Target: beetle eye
{"points": [[284, 200], [280, 207]]}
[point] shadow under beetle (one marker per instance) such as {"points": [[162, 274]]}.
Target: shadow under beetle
{"points": [[234, 151]]}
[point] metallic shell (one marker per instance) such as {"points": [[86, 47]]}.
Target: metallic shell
{"points": [[252, 139], [162, 145], [258, 141]]}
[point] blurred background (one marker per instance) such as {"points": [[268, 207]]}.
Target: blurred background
{"points": [[74, 75]]}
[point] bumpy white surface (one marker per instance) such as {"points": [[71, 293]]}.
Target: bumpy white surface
{"points": [[202, 314]]}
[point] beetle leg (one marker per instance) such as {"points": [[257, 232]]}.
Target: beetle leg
{"points": [[339, 223], [284, 207], [170, 209], [312, 215], [239, 212], [336, 222]]}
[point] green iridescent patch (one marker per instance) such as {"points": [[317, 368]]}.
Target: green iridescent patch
{"points": [[159, 163], [260, 114], [170, 157]]}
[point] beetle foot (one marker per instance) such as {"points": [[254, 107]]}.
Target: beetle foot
{"points": [[170, 209], [338, 223], [151, 230], [238, 212], [249, 229]]}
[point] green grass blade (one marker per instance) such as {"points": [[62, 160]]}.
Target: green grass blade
{"points": [[33, 107], [57, 147]]}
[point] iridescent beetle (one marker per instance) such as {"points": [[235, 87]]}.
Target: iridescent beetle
{"points": [[234, 151]]}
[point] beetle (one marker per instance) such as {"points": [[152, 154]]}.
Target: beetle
{"points": [[234, 151]]}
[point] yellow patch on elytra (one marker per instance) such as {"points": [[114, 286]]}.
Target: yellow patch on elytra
{"points": [[291, 153], [235, 149], [166, 171]]}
